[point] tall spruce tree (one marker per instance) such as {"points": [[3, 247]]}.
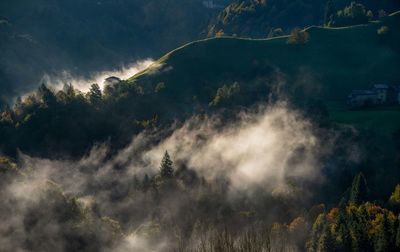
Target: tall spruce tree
{"points": [[381, 242], [46, 95], [95, 94], [343, 238], [166, 169], [359, 190], [325, 242]]}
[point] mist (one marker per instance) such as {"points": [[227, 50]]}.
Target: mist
{"points": [[272, 149], [57, 81], [83, 84]]}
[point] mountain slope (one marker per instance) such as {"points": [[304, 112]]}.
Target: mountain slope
{"points": [[208, 75], [329, 66], [256, 18], [85, 36]]}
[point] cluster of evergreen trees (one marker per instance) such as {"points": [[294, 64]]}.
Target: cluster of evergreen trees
{"points": [[357, 225], [40, 121], [364, 227]]}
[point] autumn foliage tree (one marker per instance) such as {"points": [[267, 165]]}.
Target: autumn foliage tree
{"points": [[298, 37]]}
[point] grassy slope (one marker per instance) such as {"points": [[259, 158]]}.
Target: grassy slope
{"points": [[333, 63]]}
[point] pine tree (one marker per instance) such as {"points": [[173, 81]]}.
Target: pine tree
{"points": [[325, 241], [343, 239], [69, 90], [46, 95], [359, 190], [395, 197], [166, 169], [95, 95], [381, 243], [317, 228]]}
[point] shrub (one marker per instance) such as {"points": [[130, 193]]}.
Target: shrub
{"points": [[383, 30], [298, 37]]}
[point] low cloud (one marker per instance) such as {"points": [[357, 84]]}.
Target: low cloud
{"points": [[273, 149], [263, 148], [83, 84]]}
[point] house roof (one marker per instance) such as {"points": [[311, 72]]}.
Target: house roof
{"points": [[113, 78]]}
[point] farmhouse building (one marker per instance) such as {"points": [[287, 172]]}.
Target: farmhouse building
{"points": [[111, 81], [360, 98], [378, 94]]}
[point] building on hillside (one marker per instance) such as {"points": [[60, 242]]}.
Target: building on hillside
{"points": [[379, 94], [111, 81], [361, 98]]}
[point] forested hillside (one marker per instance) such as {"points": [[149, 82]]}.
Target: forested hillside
{"points": [[205, 76], [261, 18], [81, 37]]}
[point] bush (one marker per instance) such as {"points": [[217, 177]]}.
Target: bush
{"points": [[353, 14], [298, 37], [383, 30], [224, 93]]}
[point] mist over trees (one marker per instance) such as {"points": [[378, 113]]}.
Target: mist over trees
{"points": [[214, 147]]}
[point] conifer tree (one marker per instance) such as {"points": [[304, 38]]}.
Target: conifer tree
{"points": [[359, 190], [95, 94], [395, 197], [343, 239], [317, 228], [325, 241], [381, 243], [166, 169], [46, 95], [69, 90]]}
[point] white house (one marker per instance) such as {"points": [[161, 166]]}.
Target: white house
{"points": [[378, 94], [360, 98], [111, 81]]}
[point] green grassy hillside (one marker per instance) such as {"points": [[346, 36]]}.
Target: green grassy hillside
{"points": [[333, 62]]}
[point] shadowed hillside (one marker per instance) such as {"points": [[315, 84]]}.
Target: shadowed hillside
{"points": [[332, 63]]}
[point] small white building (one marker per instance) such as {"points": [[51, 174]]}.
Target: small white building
{"points": [[111, 81], [377, 95], [361, 98]]}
